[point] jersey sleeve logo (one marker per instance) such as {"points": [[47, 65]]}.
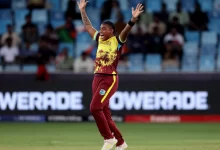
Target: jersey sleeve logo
{"points": [[102, 92]]}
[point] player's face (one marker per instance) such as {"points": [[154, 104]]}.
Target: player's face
{"points": [[105, 32]]}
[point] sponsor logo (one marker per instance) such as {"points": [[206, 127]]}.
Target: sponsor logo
{"points": [[160, 100], [143, 100], [24, 101], [61, 118], [114, 118], [102, 92], [164, 119], [172, 118], [23, 118], [31, 118]]}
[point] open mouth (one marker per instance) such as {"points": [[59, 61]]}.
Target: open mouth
{"points": [[102, 36]]}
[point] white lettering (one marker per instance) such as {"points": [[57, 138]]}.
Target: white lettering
{"points": [[22, 101], [148, 102], [175, 101], [41, 101], [35, 101], [117, 101], [133, 100], [201, 103], [49, 101], [188, 102], [143, 100], [63, 101], [160, 100], [8, 101], [76, 101]]}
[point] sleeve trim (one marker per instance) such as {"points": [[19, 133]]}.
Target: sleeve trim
{"points": [[95, 35], [121, 40]]}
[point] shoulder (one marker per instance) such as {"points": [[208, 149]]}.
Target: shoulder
{"points": [[179, 36], [96, 36], [120, 42], [3, 49], [168, 36]]}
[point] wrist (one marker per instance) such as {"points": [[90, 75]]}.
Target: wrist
{"points": [[131, 23], [82, 9], [133, 19]]}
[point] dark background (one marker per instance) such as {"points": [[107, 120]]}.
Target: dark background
{"points": [[131, 82]]}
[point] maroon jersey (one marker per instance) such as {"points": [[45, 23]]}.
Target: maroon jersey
{"points": [[108, 54]]}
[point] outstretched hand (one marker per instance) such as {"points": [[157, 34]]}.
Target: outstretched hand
{"points": [[82, 4], [137, 11]]}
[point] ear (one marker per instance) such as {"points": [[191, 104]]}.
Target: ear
{"points": [[112, 31]]}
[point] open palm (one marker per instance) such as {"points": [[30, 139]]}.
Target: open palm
{"points": [[137, 11], [82, 4]]}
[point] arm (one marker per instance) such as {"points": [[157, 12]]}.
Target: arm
{"points": [[88, 25], [135, 14]]}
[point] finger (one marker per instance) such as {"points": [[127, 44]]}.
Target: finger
{"points": [[141, 8], [137, 6], [141, 11], [132, 9]]}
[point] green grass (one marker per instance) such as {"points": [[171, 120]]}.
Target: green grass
{"points": [[85, 136]]}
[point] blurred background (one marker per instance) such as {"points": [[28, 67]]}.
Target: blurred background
{"points": [[169, 73], [171, 35]]}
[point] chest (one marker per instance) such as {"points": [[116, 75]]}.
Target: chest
{"points": [[109, 46], [8, 52]]}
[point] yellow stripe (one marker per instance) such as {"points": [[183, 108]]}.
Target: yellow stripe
{"points": [[95, 35], [109, 89], [121, 40], [113, 72]]}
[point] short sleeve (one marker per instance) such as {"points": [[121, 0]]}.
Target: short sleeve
{"points": [[167, 39], [96, 36], [181, 39]]}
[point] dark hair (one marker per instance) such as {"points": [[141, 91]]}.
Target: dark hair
{"points": [[109, 23], [49, 26], [83, 53]]}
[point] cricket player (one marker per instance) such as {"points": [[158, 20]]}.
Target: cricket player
{"points": [[105, 82]]}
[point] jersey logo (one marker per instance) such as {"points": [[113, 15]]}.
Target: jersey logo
{"points": [[102, 92]]}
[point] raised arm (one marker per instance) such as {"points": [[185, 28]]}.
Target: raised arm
{"points": [[88, 25], [135, 14]]}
